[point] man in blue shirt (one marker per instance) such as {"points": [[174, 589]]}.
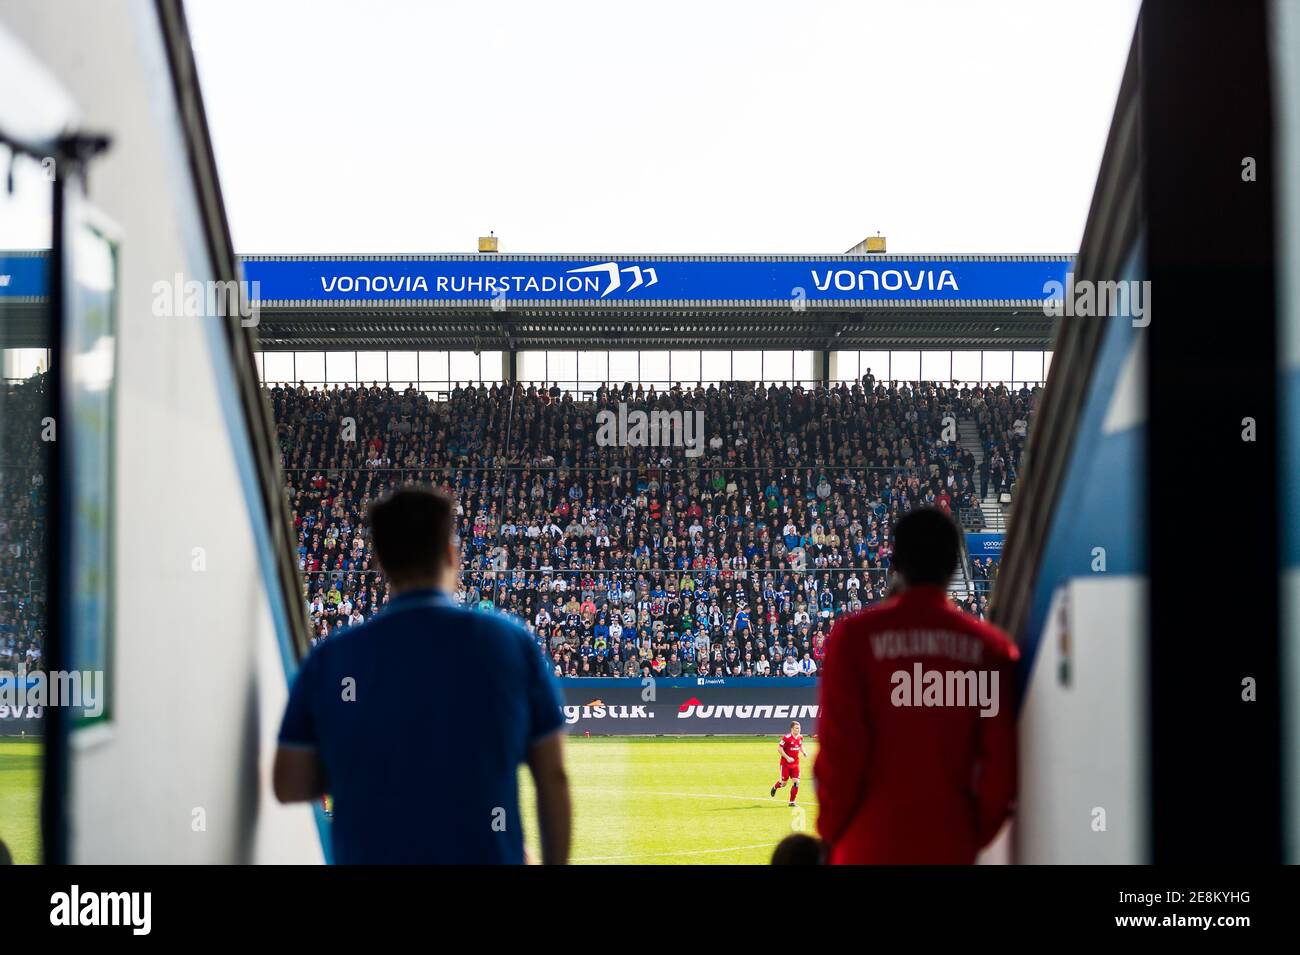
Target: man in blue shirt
{"points": [[422, 763]]}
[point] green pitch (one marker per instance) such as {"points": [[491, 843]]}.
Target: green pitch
{"points": [[20, 798], [684, 800]]}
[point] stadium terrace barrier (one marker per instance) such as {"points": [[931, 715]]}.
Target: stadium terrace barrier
{"points": [[698, 706]]}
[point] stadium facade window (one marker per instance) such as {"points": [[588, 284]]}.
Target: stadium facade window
{"points": [[844, 366], [562, 368], [308, 367], [685, 366], [403, 368], [936, 366], [593, 367], [905, 366], [807, 366], [340, 367], [587, 369], [747, 365], [491, 367], [964, 365], [372, 366], [778, 365], [437, 371], [1027, 366], [715, 367], [877, 362], [531, 366], [277, 366], [967, 366], [997, 366], [22, 363], [433, 370], [463, 366], [656, 368], [430, 371], [624, 366]]}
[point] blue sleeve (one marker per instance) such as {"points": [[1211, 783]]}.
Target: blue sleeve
{"points": [[545, 713], [298, 728]]}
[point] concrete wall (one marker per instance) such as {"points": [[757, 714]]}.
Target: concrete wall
{"points": [[198, 677], [1083, 733]]}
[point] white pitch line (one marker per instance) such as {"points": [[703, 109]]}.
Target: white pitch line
{"points": [[684, 852], [632, 792]]}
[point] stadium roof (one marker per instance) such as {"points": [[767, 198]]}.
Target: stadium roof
{"points": [[512, 302]]}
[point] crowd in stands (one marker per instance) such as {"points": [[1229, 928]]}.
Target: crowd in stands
{"points": [[623, 560], [23, 497], [627, 560]]}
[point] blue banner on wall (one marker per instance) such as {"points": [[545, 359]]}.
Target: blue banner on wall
{"points": [[23, 276], [622, 280], [980, 546], [630, 280]]}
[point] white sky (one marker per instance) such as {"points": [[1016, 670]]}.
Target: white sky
{"points": [[670, 127]]}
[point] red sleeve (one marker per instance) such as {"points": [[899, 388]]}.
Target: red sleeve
{"points": [[995, 787], [843, 737]]}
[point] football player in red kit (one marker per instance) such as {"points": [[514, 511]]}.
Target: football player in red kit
{"points": [[790, 748], [917, 740]]}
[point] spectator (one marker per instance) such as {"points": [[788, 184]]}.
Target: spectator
{"points": [[361, 701], [901, 780]]}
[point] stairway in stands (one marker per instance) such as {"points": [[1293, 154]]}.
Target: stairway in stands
{"points": [[961, 587], [995, 520]]}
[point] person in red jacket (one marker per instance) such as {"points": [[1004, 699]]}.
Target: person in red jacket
{"points": [[917, 760]]}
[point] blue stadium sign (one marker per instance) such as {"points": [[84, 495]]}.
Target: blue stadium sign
{"points": [[980, 546], [23, 276], [654, 279], [830, 280]]}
